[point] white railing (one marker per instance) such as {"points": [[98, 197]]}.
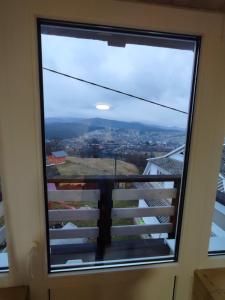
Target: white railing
{"points": [[66, 215], [74, 195]]}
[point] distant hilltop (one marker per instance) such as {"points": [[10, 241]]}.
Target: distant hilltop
{"points": [[73, 127]]}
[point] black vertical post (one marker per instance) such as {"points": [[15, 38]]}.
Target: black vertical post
{"points": [[105, 205], [175, 203], [115, 164]]}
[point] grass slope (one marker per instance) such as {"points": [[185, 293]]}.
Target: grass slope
{"points": [[95, 166]]}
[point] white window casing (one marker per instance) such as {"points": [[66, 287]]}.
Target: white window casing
{"points": [[20, 136]]}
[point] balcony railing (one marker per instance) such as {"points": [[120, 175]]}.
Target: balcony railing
{"points": [[107, 190]]}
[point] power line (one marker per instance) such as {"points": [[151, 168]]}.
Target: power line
{"points": [[114, 90]]}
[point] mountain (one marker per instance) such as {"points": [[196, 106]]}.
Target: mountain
{"points": [[74, 127], [67, 130]]}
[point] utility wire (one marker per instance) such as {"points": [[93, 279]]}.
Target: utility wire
{"points": [[114, 90]]}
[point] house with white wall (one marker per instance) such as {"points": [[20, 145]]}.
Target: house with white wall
{"points": [[172, 164]]}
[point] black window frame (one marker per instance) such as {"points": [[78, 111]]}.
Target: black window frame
{"points": [[139, 32]]}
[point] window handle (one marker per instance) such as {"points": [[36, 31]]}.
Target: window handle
{"points": [[32, 259]]}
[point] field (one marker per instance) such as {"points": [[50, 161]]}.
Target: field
{"points": [[95, 166]]}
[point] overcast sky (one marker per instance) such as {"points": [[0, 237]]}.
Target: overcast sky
{"points": [[160, 74]]}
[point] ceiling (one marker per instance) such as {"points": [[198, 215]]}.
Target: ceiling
{"points": [[212, 5]]}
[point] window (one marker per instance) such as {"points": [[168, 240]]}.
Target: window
{"points": [[117, 105], [217, 238], [3, 245]]}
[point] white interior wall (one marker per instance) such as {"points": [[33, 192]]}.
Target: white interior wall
{"points": [[21, 149]]}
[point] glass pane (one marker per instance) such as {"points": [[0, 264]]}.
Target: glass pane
{"points": [[217, 238], [3, 245], [116, 109]]}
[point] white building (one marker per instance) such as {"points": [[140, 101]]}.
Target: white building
{"points": [[172, 164]]}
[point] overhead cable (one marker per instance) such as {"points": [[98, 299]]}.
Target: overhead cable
{"points": [[114, 90]]}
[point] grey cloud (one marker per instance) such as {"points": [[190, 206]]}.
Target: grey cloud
{"points": [[159, 74]]}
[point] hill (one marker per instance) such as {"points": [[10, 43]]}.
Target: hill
{"points": [[69, 128]]}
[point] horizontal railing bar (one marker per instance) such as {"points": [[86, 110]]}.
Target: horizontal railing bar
{"points": [[141, 229], [2, 234], [93, 214], [1, 209], [74, 195], [118, 194], [219, 219], [73, 233], [115, 230], [143, 212], [72, 215], [147, 194], [119, 178]]}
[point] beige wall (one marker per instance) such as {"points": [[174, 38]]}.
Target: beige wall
{"points": [[20, 152]]}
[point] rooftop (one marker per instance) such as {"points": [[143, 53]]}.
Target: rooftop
{"points": [[175, 167], [59, 154], [172, 166]]}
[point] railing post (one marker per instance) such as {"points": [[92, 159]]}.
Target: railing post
{"points": [[175, 203], [105, 205]]}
